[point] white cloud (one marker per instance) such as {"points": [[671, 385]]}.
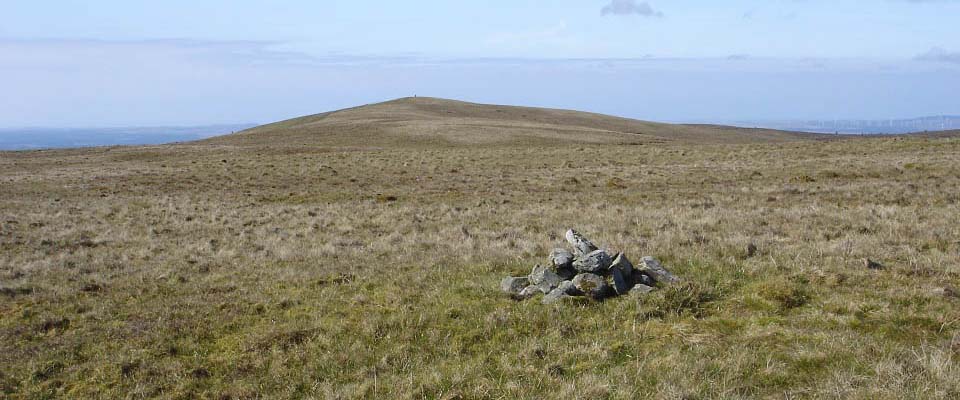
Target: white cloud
{"points": [[630, 7]]}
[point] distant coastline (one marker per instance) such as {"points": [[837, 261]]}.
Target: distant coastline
{"points": [[51, 138], [857, 127]]}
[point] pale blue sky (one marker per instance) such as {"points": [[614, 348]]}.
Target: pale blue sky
{"points": [[111, 62]]}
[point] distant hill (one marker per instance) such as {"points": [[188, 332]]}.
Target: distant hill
{"points": [[413, 121], [45, 138]]}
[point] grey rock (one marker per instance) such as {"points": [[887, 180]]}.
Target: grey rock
{"points": [[620, 283], [652, 267], [596, 261], [545, 279], [591, 285], [569, 288], [514, 285], [565, 290], [537, 274], [641, 289], [580, 244], [555, 296], [642, 279], [529, 292], [561, 259], [623, 264]]}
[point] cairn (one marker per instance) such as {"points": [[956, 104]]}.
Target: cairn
{"points": [[587, 271]]}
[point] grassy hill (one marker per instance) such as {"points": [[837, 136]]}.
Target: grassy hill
{"points": [[431, 121]]}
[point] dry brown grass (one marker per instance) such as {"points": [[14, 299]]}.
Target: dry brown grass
{"points": [[328, 272]]}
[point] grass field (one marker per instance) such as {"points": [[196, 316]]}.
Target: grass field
{"points": [[244, 270]]}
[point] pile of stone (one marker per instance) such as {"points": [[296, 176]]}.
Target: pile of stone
{"points": [[587, 271]]}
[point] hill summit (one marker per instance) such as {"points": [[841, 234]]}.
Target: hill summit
{"points": [[424, 120]]}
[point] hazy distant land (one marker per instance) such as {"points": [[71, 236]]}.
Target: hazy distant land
{"points": [[857, 126], [41, 138]]}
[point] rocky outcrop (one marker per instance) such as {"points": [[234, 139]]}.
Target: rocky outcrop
{"points": [[588, 271]]}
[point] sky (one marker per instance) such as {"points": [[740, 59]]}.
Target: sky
{"points": [[103, 63]]}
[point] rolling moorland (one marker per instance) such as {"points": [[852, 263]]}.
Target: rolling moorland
{"points": [[357, 254]]}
